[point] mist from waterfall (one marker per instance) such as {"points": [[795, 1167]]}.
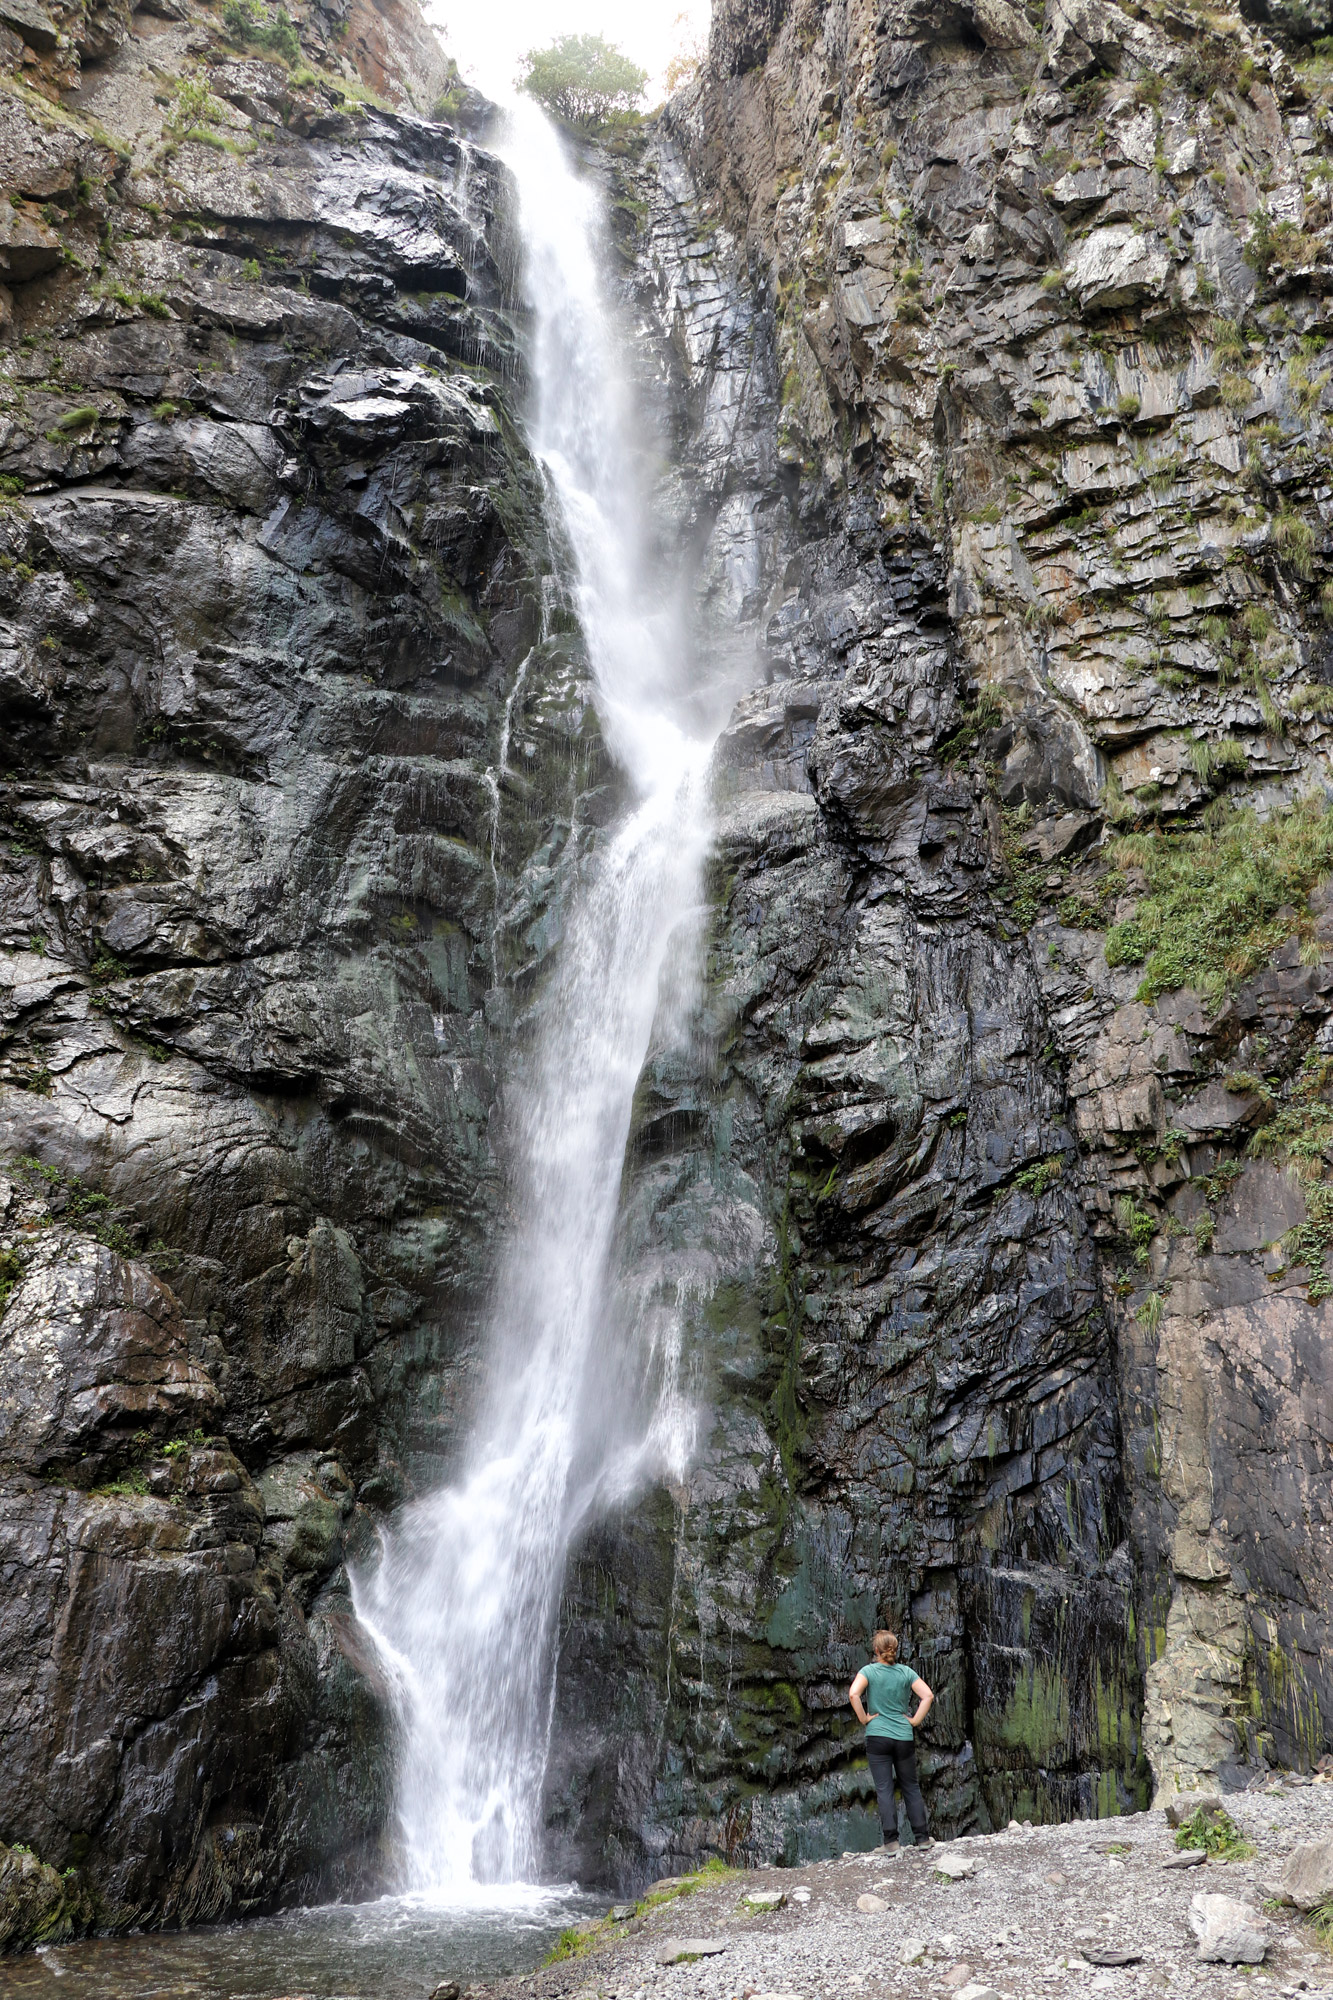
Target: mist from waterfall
{"points": [[583, 1404]]}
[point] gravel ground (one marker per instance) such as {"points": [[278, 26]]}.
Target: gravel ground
{"points": [[1016, 1926]]}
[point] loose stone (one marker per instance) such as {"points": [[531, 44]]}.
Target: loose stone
{"points": [[680, 1950], [1307, 1878], [1185, 1804], [956, 1867], [1229, 1933]]}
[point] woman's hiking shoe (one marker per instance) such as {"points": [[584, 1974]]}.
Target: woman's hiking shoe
{"points": [[890, 1843]]}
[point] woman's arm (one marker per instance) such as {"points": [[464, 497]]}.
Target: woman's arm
{"points": [[854, 1693], [926, 1698]]}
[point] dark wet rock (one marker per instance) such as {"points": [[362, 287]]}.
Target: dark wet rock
{"points": [[998, 1341], [270, 569]]}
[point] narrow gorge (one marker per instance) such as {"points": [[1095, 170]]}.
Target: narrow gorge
{"points": [[950, 1246]]}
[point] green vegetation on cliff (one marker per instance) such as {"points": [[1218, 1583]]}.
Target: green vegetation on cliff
{"points": [[1219, 902]]}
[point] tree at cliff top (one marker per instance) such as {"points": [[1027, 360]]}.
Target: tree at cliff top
{"points": [[582, 80], [688, 55]]}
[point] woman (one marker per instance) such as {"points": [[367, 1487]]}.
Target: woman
{"points": [[890, 1749]]}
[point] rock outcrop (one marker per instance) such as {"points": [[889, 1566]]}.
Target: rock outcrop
{"points": [[999, 1158], [274, 563]]}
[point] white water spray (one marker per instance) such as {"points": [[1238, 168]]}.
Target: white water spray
{"points": [[582, 1405]]}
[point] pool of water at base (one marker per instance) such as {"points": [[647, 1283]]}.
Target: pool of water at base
{"points": [[398, 1948]]}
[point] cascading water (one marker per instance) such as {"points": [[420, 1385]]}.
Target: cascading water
{"points": [[582, 1404]]}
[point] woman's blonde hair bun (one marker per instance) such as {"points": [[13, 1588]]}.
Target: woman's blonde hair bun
{"points": [[885, 1647]]}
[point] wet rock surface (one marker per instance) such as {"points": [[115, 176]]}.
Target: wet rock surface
{"points": [[1007, 1231], [274, 558], [300, 763]]}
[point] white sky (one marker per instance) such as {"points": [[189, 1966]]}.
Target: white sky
{"points": [[487, 37]]}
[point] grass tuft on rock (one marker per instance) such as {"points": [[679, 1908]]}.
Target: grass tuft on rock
{"points": [[1219, 903]]}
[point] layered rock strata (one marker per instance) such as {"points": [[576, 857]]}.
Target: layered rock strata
{"points": [[998, 1160], [274, 566]]}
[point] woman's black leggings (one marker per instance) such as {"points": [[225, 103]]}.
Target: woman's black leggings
{"points": [[890, 1760]]}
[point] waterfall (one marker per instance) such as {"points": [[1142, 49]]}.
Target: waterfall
{"points": [[582, 1404]]}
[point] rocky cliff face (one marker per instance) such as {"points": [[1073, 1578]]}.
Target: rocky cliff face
{"points": [[1001, 1156], [984, 349], [274, 562]]}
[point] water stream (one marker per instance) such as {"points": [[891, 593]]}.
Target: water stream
{"points": [[397, 1948], [583, 1403]]}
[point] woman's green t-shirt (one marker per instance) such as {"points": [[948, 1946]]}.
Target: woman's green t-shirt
{"points": [[889, 1700]]}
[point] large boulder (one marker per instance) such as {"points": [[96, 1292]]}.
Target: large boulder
{"points": [[1229, 1933], [1307, 1876]]}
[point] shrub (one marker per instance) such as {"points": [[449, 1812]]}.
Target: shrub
{"points": [[1214, 761], [247, 22], [1216, 1833], [583, 80], [1300, 1132], [11, 1270], [281, 37], [1151, 1312], [194, 104], [1211, 913]]}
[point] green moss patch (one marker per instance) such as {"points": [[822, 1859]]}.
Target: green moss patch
{"points": [[1219, 902]]}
